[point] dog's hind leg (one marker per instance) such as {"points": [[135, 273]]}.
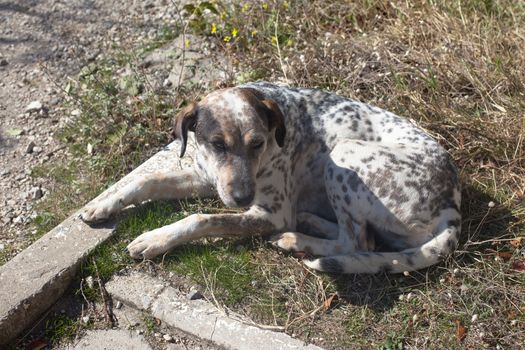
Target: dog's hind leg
{"points": [[314, 225]]}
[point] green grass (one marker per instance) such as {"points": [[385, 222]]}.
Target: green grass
{"points": [[60, 328], [454, 66]]}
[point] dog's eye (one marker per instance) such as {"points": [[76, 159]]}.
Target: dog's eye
{"points": [[257, 145], [219, 145]]}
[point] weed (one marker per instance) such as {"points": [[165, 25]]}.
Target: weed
{"points": [[61, 328], [150, 324]]}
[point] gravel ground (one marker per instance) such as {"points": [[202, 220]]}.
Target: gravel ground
{"points": [[41, 44]]}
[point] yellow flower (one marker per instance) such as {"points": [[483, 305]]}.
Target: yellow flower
{"points": [[213, 28], [264, 6], [234, 32], [254, 32], [274, 40], [187, 43], [245, 8], [227, 38]]}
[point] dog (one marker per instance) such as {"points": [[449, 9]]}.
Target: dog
{"points": [[357, 188]]}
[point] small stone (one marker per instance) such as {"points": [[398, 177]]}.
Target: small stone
{"points": [[139, 331], [85, 319], [463, 289], [37, 149], [34, 106], [75, 112], [491, 204], [30, 146], [89, 281], [3, 62], [167, 338], [89, 149], [474, 318], [194, 294], [14, 132], [118, 305], [2, 246], [167, 83], [36, 193], [415, 318], [157, 335]]}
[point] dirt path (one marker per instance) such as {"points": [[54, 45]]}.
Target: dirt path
{"points": [[41, 44]]}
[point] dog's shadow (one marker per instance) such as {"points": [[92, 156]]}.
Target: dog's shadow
{"points": [[483, 220], [380, 292]]}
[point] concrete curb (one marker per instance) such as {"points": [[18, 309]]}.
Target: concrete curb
{"points": [[34, 279], [196, 317]]}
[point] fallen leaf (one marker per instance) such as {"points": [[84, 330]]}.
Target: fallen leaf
{"points": [[504, 255], [516, 243], [518, 265], [461, 331], [299, 254], [37, 344], [329, 301]]}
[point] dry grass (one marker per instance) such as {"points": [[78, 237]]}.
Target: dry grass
{"points": [[457, 68]]}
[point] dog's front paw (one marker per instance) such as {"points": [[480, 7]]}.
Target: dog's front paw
{"points": [[149, 245], [101, 211], [285, 241]]}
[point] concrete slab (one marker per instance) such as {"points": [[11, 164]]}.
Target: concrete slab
{"points": [[198, 317], [112, 339], [148, 286], [34, 279]]}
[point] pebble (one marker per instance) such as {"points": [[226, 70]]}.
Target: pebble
{"points": [[157, 335], [167, 338], [194, 294], [89, 281], [34, 106], [36, 193], [30, 146], [85, 319], [2, 246], [118, 305]]}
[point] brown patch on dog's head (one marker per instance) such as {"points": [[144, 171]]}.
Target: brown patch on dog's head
{"points": [[185, 121], [267, 109], [234, 128]]}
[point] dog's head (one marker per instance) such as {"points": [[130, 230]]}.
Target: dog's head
{"points": [[233, 129]]}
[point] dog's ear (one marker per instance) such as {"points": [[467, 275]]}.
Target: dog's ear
{"points": [[185, 121], [275, 120]]}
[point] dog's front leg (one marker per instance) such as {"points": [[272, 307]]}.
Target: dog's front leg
{"points": [[159, 241], [177, 185]]}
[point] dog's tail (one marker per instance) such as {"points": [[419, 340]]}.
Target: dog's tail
{"points": [[406, 260]]}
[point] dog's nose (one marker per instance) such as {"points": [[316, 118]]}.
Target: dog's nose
{"points": [[242, 199]]}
